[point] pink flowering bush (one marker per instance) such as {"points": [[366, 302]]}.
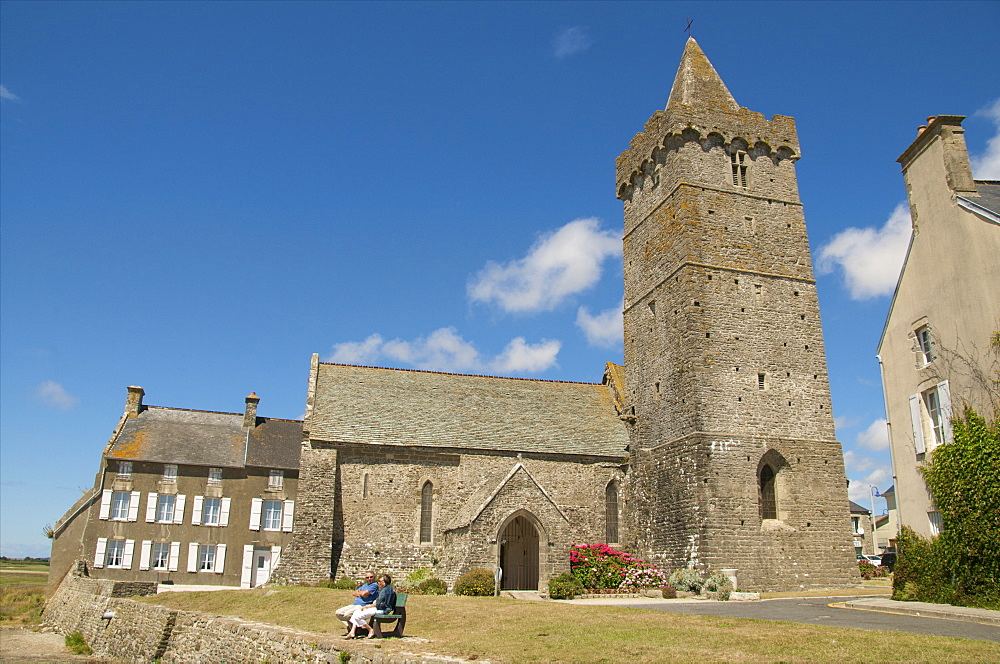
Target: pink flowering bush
{"points": [[600, 566]]}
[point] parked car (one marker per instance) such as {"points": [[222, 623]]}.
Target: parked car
{"points": [[874, 560]]}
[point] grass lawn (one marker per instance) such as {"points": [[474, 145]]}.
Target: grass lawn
{"points": [[501, 629]]}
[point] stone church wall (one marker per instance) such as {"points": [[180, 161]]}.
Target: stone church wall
{"points": [[367, 500]]}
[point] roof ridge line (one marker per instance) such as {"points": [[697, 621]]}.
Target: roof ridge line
{"points": [[452, 373]]}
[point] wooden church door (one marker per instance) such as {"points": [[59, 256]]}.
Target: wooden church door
{"points": [[519, 555]]}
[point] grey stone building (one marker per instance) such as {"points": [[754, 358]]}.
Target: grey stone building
{"points": [[188, 497], [712, 447]]}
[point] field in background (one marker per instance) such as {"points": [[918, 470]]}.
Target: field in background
{"points": [[22, 590], [502, 629]]}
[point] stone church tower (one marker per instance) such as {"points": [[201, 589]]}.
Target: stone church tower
{"points": [[734, 460]]}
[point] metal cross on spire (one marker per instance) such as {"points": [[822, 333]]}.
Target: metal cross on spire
{"points": [[688, 28]]}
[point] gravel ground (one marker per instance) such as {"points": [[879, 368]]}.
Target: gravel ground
{"points": [[23, 644]]}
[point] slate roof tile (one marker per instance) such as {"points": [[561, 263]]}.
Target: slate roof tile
{"points": [[405, 407]]}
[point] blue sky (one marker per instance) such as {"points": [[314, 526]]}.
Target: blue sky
{"points": [[197, 196]]}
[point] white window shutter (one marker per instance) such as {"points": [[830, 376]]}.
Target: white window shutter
{"points": [[220, 559], [102, 547], [179, 508], [224, 512], [175, 554], [133, 506], [275, 557], [196, 512], [246, 572], [106, 504], [127, 555], [256, 506], [193, 557], [944, 395], [144, 553], [286, 516], [918, 427], [150, 507]]}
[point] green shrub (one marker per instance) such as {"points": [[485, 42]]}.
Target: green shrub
{"points": [[476, 582], [920, 574], [600, 566], [668, 592], [565, 586], [717, 582], [76, 643], [343, 583], [868, 571], [432, 586], [687, 580]]}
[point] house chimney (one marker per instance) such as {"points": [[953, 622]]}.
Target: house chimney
{"points": [[133, 402], [250, 416]]}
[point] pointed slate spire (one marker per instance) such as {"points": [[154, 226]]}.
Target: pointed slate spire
{"points": [[697, 83]]}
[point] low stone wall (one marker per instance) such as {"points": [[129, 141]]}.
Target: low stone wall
{"points": [[140, 632]]}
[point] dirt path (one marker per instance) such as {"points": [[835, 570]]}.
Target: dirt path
{"points": [[21, 644]]}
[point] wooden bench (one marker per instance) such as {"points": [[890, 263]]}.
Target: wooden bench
{"points": [[399, 617]]}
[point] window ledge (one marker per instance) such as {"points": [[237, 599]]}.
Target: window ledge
{"points": [[775, 525]]}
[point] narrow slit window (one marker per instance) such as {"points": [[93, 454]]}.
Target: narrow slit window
{"points": [[738, 161], [611, 513], [768, 505], [426, 506], [760, 381]]}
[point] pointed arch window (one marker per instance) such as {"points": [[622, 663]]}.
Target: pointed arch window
{"points": [[611, 512], [768, 503], [426, 507]]}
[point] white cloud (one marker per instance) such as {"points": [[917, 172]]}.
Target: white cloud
{"points": [[557, 266], [521, 356], [52, 393], [356, 352], [571, 41], [444, 349], [603, 330], [868, 471], [875, 437], [871, 258], [8, 95], [986, 166]]}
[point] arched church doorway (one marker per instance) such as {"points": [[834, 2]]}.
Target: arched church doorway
{"points": [[519, 555]]}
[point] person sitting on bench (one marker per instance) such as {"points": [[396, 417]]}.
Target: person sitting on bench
{"points": [[365, 594], [384, 604]]}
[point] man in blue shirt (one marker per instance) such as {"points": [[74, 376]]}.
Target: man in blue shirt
{"points": [[365, 594]]}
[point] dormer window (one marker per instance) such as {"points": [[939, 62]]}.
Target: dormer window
{"points": [[215, 477], [276, 480], [124, 470], [169, 473], [738, 161]]}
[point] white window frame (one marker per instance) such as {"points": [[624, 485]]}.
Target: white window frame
{"points": [[214, 477], [169, 473], [160, 553], [924, 344], [124, 470], [937, 402], [120, 505], [164, 515], [935, 523], [211, 509], [206, 557], [275, 480], [114, 555], [271, 518]]}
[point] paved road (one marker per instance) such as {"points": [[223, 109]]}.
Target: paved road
{"points": [[816, 611]]}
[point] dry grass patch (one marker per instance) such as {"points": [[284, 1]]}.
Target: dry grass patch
{"points": [[501, 629]]}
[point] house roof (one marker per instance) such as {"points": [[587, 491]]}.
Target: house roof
{"points": [[858, 509], [989, 195], [205, 438], [404, 407]]}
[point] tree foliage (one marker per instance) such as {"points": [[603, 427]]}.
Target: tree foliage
{"points": [[964, 480]]}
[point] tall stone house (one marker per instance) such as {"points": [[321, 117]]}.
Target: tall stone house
{"points": [[186, 497], [935, 353], [712, 447]]}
